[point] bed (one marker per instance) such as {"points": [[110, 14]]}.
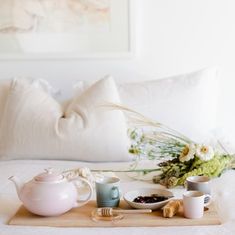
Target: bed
{"points": [[150, 98]]}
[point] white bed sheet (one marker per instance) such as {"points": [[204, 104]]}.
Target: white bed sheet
{"points": [[223, 191]]}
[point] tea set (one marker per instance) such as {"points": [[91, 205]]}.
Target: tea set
{"points": [[53, 194]]}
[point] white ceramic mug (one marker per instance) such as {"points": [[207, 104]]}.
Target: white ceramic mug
{"points": [[194, 203]]}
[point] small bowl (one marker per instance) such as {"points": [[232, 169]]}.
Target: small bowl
{"points": [[131, 195]]}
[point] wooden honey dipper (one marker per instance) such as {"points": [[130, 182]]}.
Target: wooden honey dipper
{"points": [[109, 211]]}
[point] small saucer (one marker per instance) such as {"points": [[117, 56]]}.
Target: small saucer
{"points": [[95, 216], [131, 195]]}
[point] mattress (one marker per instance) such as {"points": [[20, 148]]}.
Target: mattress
{"points": [[223, 193]]}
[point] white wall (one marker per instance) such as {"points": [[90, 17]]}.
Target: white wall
{"points": [[184, 35], [173, 36]]}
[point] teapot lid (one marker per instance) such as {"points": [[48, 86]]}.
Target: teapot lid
{"points": [[49, 176]]}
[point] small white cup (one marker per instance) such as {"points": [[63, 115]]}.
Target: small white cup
{"points": [[193, 202], [198, 183]]}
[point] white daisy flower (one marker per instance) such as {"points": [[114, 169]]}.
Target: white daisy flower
{"points": [[85, 172], [204, 152], [187, 153]]}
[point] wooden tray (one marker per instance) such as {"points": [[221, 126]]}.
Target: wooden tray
{"points": [[81, 217]]}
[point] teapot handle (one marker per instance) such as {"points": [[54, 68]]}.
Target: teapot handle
{"points": [[80, 203]]}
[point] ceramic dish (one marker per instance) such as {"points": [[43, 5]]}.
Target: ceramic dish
{"points": [[131, 195]]}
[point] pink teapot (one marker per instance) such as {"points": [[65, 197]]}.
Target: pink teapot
{"points": [[50, 194]]}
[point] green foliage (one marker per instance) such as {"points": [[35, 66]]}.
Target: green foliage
{"points": [[175, 173], [151, 145], [145, 144]]}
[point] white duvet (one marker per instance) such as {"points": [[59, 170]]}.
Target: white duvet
{"points": [[223, 191]]}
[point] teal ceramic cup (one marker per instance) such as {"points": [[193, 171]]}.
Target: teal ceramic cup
{"points": [[107, 192]]}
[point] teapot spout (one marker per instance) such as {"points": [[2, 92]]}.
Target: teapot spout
{"points": [[18, 184]]}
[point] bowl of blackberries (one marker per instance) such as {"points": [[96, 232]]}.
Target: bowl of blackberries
{"points": [[148, 198]]}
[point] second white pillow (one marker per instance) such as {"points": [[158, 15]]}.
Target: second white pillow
{"points": [[186, 103]]}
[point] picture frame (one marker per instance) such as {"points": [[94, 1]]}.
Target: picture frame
{"points": [[114, 40]]}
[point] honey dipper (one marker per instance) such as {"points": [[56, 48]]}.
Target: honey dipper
{"points": [[109, 211]]}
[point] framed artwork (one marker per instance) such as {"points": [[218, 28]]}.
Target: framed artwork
{"points": [[44, 29]]}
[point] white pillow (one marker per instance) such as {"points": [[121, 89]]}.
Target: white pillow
{"points": [[34, 126], [187, 103], [4, 90], [5, 86]]}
